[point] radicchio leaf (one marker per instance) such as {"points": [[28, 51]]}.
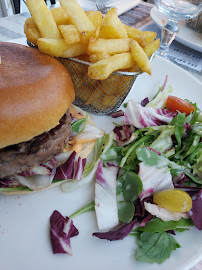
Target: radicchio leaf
{"points": [[42, 169], [144, 102], [196, 211], [154, 179], [6, 182], [187, 128], [118, 233], [79, 168], [66, 170], [123, 134], [117, 114], [145, 220], [142, 117], [61, 230], [105, 197]]}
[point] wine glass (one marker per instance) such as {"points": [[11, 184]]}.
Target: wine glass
{"points": [[175, 10]]}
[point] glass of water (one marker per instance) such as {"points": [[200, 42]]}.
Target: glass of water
{"points": [[175, 10]]}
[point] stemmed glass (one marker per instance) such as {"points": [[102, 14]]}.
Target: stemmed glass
{"points": [[175, 10]]}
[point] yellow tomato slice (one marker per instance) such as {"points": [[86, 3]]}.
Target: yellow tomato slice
{"points": [[174, 200]]}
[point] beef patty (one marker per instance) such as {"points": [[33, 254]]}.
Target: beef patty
{"points": [[19, 158]]}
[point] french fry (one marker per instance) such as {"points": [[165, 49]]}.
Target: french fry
{"points": [[43, 19], [112, 27], [136, 34], [103, 68], [88, 12], [69, 33], [60, 15], [98, 56], [152, 47], [140, 57], [112, 11], [85, 36], [77, 16], [31, 31], [83, 57], [149, 37], [105, 42], [135, 68], [111, 46], [95, 18], [97, 32], [58, 48]]}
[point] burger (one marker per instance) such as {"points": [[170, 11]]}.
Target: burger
{"points": [[36, 93]]}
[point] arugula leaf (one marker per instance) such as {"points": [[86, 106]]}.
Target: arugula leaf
{"points": [[197, 113], [155, 247], [190, 144], [158, 225], [199, 117], [169, 153], [164, 140], [76, 125], [98, 148], [84, 124], [131, 149], [125, 104], [193, 177], [108, 142], [15, 189], [179, 120], [197, 168], [197, 128], [87, 208], [126, 211]]}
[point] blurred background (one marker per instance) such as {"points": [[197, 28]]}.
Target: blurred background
{"points": [[10, 7]]}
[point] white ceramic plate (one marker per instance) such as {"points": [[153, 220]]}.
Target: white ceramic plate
{"points": [[24, 220], [186, 36]]}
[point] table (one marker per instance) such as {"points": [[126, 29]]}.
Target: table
{"points": [[12, 28]]}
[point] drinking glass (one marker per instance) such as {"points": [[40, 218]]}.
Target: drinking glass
{"points": [[175, 10]]}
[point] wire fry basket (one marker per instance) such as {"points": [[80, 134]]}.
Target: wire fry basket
{"points": [[96, 96]]}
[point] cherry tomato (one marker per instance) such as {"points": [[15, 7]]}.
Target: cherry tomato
{"points": [[177, 104]]}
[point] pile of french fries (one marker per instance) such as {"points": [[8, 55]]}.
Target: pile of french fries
{"points": [[106, 42]]}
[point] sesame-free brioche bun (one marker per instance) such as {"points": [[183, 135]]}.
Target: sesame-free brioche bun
{"points": [[35, 92]]}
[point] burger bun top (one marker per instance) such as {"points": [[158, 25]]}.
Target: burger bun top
{"points": [[35, 92]]}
